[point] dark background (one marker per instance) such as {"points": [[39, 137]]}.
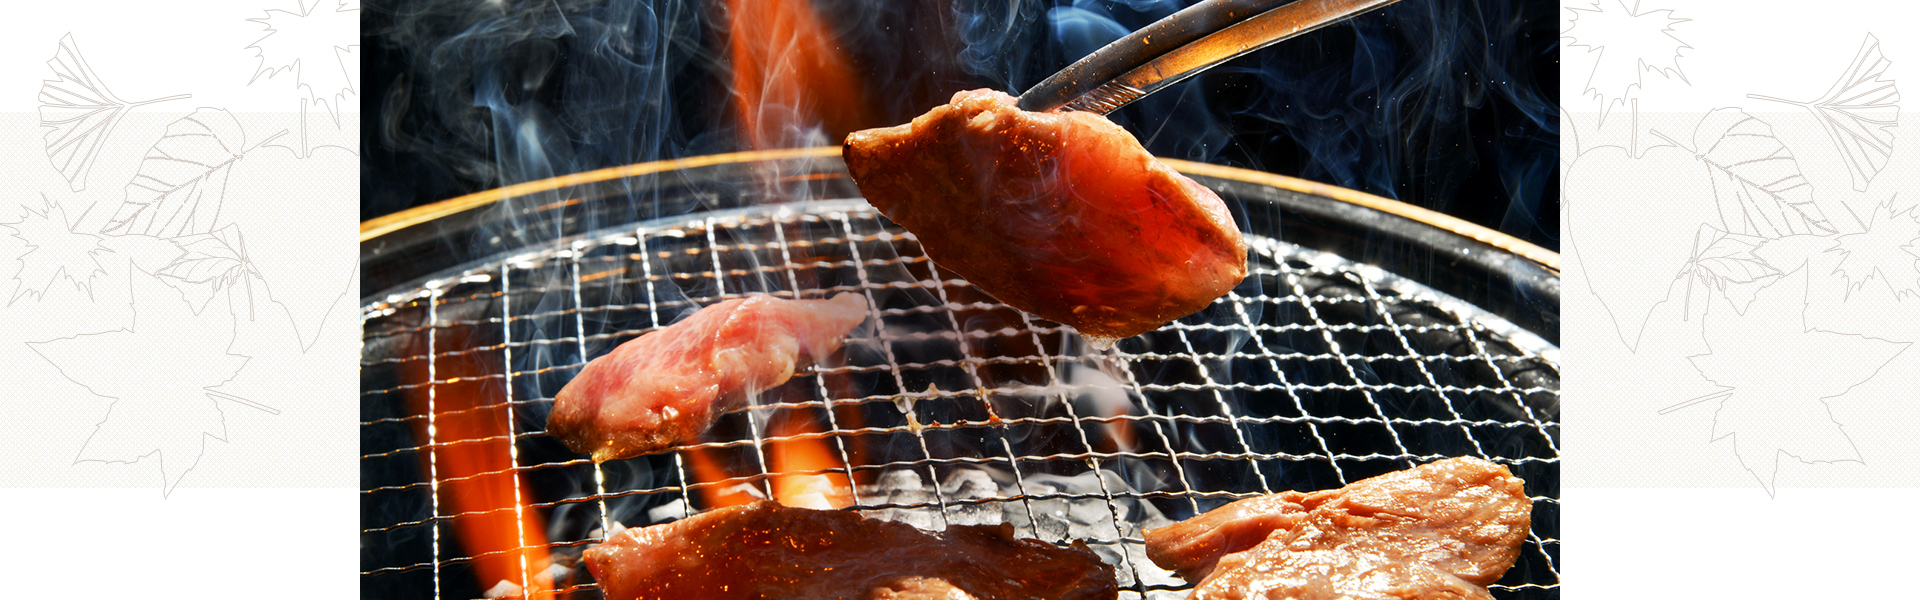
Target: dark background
{"points": [[1440, 103]]}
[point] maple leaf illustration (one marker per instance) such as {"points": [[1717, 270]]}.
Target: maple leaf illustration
{"points": [[318, 44], [1885, 251], [53, 252], [1780, 376], [159, 371], [1631, 42]]}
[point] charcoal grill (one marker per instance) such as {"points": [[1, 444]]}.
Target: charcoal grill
{"points": [[1368, 337]]}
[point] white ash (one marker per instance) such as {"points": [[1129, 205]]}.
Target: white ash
{"points": [[1056, 520], [503, 589], [597, 532], [671, 511], [744, 488], [902, 487], [561, 575]]}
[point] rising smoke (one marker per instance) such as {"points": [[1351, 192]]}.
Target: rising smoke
{"points": [[1442, 104]]}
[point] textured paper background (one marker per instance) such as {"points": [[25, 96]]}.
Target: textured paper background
{"points": [[1740, 307], [1741, 296], [179, 391]]}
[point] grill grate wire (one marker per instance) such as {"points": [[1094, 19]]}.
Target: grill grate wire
{"points": [[1314, 373]]}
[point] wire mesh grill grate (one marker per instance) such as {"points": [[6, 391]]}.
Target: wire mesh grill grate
{"points": [[946, 408]]}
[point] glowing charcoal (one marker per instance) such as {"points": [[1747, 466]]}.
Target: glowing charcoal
{"points": [[1445, 529], [764, 550], [1063, 215], [668, 386]]}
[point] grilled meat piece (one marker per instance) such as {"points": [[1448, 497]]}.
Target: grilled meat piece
{"points": [[668, 386], [1445, 529], [1191, 547], [1060, 214], [765, 550]]}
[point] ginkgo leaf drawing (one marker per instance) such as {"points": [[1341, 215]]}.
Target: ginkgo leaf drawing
{"points": [[1779, 377], [1756, 181], [159, 371], [208, 263], [183, 177], [1631, 42], [1859, 113], [316, 44], [1882, 252], [53, 251], [79, 112]]}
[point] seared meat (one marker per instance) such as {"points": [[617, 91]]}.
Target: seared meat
{"points": [[1060, 214], [764, 550], [1191, 547], [668, 386], [1441, 530]]}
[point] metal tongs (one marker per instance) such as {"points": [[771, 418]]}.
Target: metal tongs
{"points": [[1180, 46]]}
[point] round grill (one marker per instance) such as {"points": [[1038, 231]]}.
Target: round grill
{"points": [[945, 408]]}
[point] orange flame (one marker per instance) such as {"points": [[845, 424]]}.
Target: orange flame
{"points": [[791, 464], [506, 538], [789, 75], [1120, 431], [706, 468], [789, 457]]}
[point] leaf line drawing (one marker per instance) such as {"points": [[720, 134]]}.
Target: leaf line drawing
{"points": [[159, 371], [210, 257], [320, 47], [310, 43], [1777, 377], [314, 134], [1786, 254], [53, 250], [1661, 197], [1631, 42], [79, 112], [1756, 181], [1859, 113], [1726, 264], [208, 263], [1884, 251], [1729, 258], [1766, 323], [183, 177]]}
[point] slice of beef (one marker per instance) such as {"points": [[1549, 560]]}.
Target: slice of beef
{"points": [[668, 386], [1445, 529], [765, 550], [1060, 214], [1191, 547]]}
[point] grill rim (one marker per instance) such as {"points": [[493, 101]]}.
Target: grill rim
{"points": [[377, 227], [1497, 272]]}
